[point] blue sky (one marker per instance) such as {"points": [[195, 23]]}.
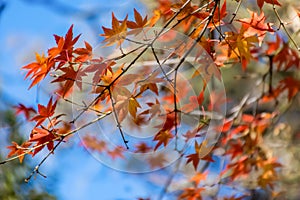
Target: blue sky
{"points": [[27, 28]]}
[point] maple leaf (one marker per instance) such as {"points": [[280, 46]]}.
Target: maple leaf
{"points": [[44, 112], [91, 142], [157, 161], [184, 12], [116, 153], [200, 154], [38, 70], [84, 54], [198, 177], [190, 134], [219, 15], [274, 46], [117, 33], [70, 77], [163, 137], [16, 149], [154, 109], [269, 175], [260, 3], [236, 148], [138, 24], [257, 22], [42, 137], [109, 75], [287, 58], [61, 91], [125, 102], [156, 16], [163, 10], [191, 194], [169, 122], [98, 67], [290, 84], [25, 110], [128, 79], [241, 44], [150, 83], [142, 148], [195, 102], [194, 158], [133, 104], [64, 50]]}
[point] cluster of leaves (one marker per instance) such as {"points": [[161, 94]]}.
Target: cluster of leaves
{"points": [[136, 94]]}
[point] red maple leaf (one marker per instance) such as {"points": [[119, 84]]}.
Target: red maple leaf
{"points": [[291, 85], [274, 46], [70, 77], [260, 3], [44, 112], [196, 157], [64, 50], [287, 58], [42, 137], [27, 111]]}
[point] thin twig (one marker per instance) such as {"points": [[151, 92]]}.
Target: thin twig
{"points": [[235, 12], [281, 24], [117, 118]]}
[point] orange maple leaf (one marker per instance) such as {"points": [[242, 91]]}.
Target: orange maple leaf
{"points": [[84, 54], [117, 33], [241, 44], [125, 102], [93, 143], [16, 149], [138, 24], [117, 152], [257, 22], [191, 194], [39, 69], [198, 177], [163, 137]]}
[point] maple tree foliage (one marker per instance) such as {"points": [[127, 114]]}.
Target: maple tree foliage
{"points": [[153, 79]]}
